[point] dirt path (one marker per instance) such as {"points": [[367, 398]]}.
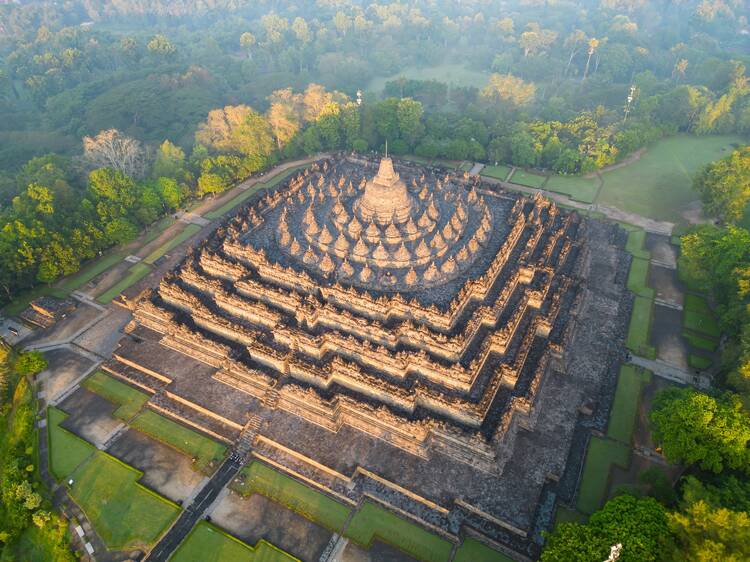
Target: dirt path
{"points": [[634, 157]]}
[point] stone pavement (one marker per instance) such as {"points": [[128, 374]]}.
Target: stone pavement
{"points": [[672, 373]]}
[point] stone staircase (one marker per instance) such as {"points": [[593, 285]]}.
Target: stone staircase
{"points": [[271, 399], [247, 435]]}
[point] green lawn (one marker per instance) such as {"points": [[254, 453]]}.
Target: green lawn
{"points": [[286, 491], [625, 407], [635, 244], [193, 444], [124, 513], [66, 450], [698, 317], [659, 184], [234, 202], [473, 551], [466, 166], [699, 362], [699, 341], [497, 172], [281, 176], [187, 232], [373, 521], [135, 274], [49, 544], [129, 400], [528, 179], [91, 270], [638, 278], [576, 187], [602, 453], [565, 515], [208, 543], [640, 328]]}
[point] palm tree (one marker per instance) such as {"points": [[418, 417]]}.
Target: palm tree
{"points": [[593, 44]]}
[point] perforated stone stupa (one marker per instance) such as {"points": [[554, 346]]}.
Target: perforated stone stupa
{"points": [[396, 333]]}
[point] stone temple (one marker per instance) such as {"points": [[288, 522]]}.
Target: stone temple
{"points": [[396, 334]]}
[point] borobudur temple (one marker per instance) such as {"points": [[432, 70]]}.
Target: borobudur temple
{"points": [[396, 333]]}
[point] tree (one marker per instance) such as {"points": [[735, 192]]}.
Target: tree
{"points": [[112, 149], [574, 42], [704, 533], [535, 40], [409, 116], [284, 122], [639, 524], [724, 185], [695, 428], [593, 44], [247, 42], [160, 45], [30, 363], [509, 88], [236, 128], [170, 162]]}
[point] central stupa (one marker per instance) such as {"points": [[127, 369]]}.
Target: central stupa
{"points": [[386, 198], [383, 232]]}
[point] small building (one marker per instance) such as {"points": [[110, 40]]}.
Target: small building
{"points": [[46, 311]]}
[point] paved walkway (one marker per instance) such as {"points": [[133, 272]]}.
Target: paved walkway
{"points": [[193, 513], [672, 373]]}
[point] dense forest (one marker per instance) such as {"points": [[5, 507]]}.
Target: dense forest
{"points": [[113, 114]]}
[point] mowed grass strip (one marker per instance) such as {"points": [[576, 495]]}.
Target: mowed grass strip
{"points": [[474, 551], [234, 202], [528, 179], [66, 450], [636, 244], [294, 495], [699, 362], [374, 522], [698, 317], [638, 278], [625, 407], [208, 543], [496, 172], [640, 328], [129, 400], [123, 513], [199, 447], [576, 187], [91, 270], [135, 274], [187, 232], [601, 455], [700, 341]]}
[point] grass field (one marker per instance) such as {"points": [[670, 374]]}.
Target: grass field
{"points": [[659, 184], [565, 515], [208, 543], [575, 187], [625, 407], [455, 74], [21, 300], [91, 270], [374, 521], [187, 232], [635, 244], [601, 454], [129, 400], [234, 202], [123, 513], [640, 328], [638, 278], [66, 451], [135, 274], [497, 172], [473, 551], [527, 178], [286, 491], [698, 317], [700, 341], [197, 446], [699, 362]]}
